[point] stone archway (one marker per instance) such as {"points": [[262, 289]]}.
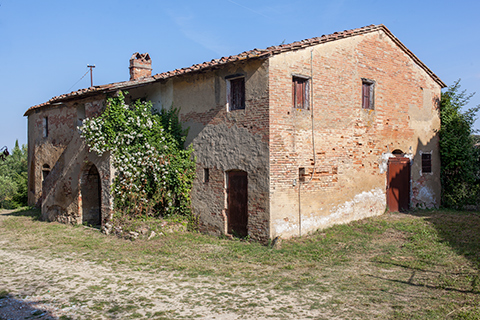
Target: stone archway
{"points": [[91, 199]]}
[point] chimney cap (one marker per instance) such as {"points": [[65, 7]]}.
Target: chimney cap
{"points": [[140, 56], [140, 66]]}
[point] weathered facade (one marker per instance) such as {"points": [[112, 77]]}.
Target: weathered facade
{"points": [[288, 139]]}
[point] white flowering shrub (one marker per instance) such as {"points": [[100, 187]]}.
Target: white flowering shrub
{"points": [[154, 173]]}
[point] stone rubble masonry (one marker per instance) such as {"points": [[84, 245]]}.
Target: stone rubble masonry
{"points": [[343, 177]]}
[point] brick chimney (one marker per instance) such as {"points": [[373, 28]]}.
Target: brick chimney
{"points": [[140, 66]]}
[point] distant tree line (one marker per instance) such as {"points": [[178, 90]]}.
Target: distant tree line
{"points": [[13, 178]]}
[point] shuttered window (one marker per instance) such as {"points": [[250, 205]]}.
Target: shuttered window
{"points": [[237, 94], [367, 94], [300, 92], [426, 163]]}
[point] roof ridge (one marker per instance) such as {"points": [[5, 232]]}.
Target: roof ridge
{"points": [[249, 54]]}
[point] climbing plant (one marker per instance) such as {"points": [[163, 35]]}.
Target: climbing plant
{"points": [[154, 172]]}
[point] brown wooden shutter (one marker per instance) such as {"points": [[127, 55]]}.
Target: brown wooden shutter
{"points": [[366, 95], [237, 93], [300, 93]]}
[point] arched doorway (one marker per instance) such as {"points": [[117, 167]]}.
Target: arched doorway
{"points": [[237, 201], [398, 182], [91, 197]]}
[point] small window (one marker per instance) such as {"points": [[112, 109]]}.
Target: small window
{"points": [[368, 94], [236, 93], [426, 163], [80, 115], [206, 175], [301, 174], [45, 171], [300, 88], [45, 127]]}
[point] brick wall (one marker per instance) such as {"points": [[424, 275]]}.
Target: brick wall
{"points": [[347, 182], [227, 140]]}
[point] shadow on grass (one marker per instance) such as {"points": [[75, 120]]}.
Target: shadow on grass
{"points": [[34, 213], [12, 308], [422, 285], [459, 229]]}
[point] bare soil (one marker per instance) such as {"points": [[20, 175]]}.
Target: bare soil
{"points": [[40, 286], [398, 266]]}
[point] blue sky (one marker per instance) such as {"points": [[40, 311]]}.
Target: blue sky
{"points": [[45, 46]]}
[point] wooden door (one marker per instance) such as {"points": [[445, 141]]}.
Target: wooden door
{"points": [[91, 197], [398, 184], [237, 191]]}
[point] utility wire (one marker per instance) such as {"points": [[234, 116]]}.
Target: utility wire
{"points": [[78, 80]]}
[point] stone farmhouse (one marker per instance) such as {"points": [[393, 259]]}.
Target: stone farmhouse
{"points": [[287, 139]]}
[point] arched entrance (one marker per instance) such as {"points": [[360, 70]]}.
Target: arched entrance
{"points": [[398, 182], [237, 201], [91, 197]]}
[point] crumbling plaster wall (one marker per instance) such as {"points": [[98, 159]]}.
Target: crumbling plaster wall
{"points": [[46, 150], [67, 156], [223, 140], [347, 183]]}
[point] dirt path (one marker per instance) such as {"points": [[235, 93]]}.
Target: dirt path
{"points": [[43, 287]]}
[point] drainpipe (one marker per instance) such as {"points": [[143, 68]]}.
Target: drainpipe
{"points": [[313, 149]]}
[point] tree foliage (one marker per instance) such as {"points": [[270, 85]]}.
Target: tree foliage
{"points": [[154, 172], [459, 158], [14, 178]]}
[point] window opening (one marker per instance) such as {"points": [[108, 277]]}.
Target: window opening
{"points": [[368, 94], [45, 127], [301, 174], [300, 88], [80, 115], [45, 171], [206, 175], [426, 163], [236, 93]]}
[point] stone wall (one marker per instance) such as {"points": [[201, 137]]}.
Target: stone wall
{"points": [[223, 140], [59, 163]]}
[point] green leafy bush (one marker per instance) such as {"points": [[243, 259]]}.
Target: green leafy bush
{"points": [[14, 178], [154, 172], [460, 159]]}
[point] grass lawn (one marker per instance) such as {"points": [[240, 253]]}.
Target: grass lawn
{"points": [[422, 265]]}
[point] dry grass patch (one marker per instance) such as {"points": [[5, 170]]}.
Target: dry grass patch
{"points": [[423, 265]]}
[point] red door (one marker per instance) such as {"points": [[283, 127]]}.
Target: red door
{"points": [[237, 203], [398, 184]]}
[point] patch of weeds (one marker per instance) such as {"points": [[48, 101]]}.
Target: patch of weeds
{"points": [[162, 315], [122, 308], [3, 293], [99, 305], [75, 300], [116, 308], [95, 288]]}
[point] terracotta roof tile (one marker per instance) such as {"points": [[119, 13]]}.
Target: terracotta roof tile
{"points": [[251, 54]]}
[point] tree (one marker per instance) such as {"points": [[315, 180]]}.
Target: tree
{"points": [[13, 178], [459, 158]]}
